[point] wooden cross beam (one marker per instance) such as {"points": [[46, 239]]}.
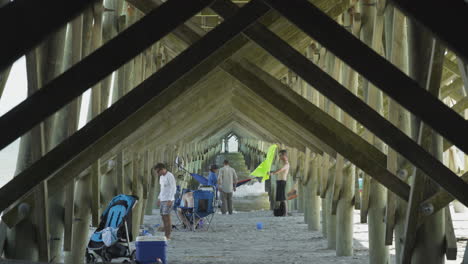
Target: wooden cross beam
{"points": [[114, 137], [317, 122], [437, 201], [364, 60], [347, 101], [447, 29], [24, 24], [463, 74], [95, 67], [145, 93]]}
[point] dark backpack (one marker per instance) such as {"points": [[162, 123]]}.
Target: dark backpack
{"points": [[281, 210]]}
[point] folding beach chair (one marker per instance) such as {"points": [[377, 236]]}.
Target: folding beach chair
{"points": [[201, 215]]}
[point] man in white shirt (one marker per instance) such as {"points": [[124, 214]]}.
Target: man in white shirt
{"points": [[227, 180], [166, 196], [281, 180]]}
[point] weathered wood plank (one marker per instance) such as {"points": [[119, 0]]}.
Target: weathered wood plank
{"points": [[41, 221], [96, 192], [20, 28], [69, 215], [112, 118], [450, 238], [364, 210], [364, 60], [95, 67], [119, 166]]}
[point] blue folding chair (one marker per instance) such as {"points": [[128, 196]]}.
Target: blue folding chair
{"points": [[204, 207], [201, 215]]}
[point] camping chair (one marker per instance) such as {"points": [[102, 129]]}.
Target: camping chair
{"points": [[201, 215], [204, 207], [177, 204]]}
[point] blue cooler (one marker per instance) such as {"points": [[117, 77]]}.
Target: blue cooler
{"points": [[150, 248]]}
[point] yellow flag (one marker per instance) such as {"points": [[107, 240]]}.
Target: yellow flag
{"points": [[264, 167]]}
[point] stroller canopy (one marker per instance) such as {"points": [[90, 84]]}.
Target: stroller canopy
{"points": [[118, 210]]}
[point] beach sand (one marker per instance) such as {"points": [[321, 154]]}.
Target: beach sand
{"points": [[235, 239]]}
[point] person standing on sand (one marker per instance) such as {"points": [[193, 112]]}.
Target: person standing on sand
{"points": [[166, 196], [212, 178], [281, 180], [227, 181]]}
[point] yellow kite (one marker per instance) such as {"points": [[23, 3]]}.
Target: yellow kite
{"points": [[264, 168]]}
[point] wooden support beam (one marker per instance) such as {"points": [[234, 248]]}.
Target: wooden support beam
{"points": [[96, 193], [187, 32], [317, 122], [447, 29], [451, 66], [461, 105], [352, 104], [421, 187], [119, 167], [3, 235], [95, 67], [24, 24], [450, 238], [438, 201], [135, 174], [451, 88], [116, 118], [365, 195], [69, 216], [463, 74], [364, 60], [245, 105], [412, 219], [41, 221]]}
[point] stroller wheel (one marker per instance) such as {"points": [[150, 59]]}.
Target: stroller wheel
{"points": [[106, 257], [132, 258], [90, 258]]}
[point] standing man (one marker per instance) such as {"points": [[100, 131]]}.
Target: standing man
{"points": [[227, 181], [281, 180], [166, 196]]}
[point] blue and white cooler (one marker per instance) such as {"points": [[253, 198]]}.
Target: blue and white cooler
{"points": [[151, 249]]}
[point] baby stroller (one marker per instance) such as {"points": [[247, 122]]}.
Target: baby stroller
{"points": [[201, 215], [113, 235]]}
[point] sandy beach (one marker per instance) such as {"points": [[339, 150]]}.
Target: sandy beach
{"points": [[235, 239]]}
